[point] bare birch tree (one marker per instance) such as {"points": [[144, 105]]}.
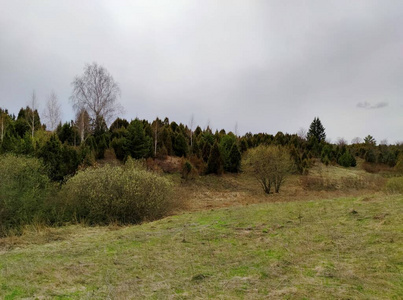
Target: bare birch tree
{"points": [[191, 124], [31, 113], [2, 117], [97, 92], [302, 132], [52, 112], [83, 124], [156, 127]]}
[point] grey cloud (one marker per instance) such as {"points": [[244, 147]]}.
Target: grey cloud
{"points": [[367, 105], [268, 65]]}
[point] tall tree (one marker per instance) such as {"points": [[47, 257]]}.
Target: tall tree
{"points": [[215, 163], [97, 92], [137, 144], [83, 124], [52, 112], [369, 140], [191, 124], [31, 114], [317, 131]]}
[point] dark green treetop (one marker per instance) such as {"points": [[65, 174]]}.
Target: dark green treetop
{"points": [[316, 130]]}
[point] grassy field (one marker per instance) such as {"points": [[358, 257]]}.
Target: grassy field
{"points": [[341, 248]]}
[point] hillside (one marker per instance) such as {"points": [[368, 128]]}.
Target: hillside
{"points": [[335, 248]]}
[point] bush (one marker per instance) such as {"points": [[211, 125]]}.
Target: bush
{"points": [[395, 185], [124, 194], [188, 170], [23, 193], [347, 160], [270, 165]]}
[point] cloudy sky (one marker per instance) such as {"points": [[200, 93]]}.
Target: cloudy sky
{"points": [[267, 66]]}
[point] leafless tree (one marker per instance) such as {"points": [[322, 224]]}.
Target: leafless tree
{"points": [[356, 140], [2, 117], [191, 124], [52, 112], [83, 124], [31, 113], [97, 92], [341, 141], [383, 142], [156, 126], [302, 133]]}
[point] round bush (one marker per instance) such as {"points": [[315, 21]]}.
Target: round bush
{"points": [[123, 194]]}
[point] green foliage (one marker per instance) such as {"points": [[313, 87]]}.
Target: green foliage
{"points": [[24, 188], [118, 123], [369, 140], [188, 170], [215, 162], [317, 131], [68, 134], [386, 156], [117, 194], [61, 160], [25, 145], [137, 144], [180, 145], [235, 158], [226, 145], [101, 147], [206, 149], [327, 154], [118, 145], [370, 156], [399, 163], [347, 160]]}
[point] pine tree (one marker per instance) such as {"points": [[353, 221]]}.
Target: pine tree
{"points": [[137, 143], [234, 159], [215, 163], [317, 131], [180, 145]]}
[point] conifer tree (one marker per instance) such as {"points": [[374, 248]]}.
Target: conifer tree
{"points": [[317, 131], [215, 163], [137, 143], [234, 159]]}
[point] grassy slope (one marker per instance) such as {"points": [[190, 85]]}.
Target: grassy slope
{"points": [[338, 248]]}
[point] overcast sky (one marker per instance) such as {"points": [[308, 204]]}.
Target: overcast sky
{"points": [[266, 65]]}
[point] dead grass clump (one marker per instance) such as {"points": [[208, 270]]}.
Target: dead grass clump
{"points": [[375, 168], [321, 183], [395, 185], [168, 165], [312, 183]]}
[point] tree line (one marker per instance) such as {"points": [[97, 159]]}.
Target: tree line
{"points": [[81, 142]]}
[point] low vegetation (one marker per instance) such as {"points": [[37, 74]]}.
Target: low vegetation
{"points": [[344, 248], [270, 165], [117, 194], [24, 192], [395, 185], [110, 194]]}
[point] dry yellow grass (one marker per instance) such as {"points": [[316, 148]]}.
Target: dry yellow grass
{"points": [[235, 243]]}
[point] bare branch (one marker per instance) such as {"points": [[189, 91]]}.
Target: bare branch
{"points": [[97, 93], [52, 112]]}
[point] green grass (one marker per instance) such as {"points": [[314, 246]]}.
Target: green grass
{"points": [[344, 248]]}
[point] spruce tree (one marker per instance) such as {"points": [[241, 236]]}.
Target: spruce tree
{"points": [[317, 131], [215, 163], [138, 144], [234, 159]]}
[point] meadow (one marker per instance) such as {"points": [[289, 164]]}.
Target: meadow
{"points": [[341, 239]]}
